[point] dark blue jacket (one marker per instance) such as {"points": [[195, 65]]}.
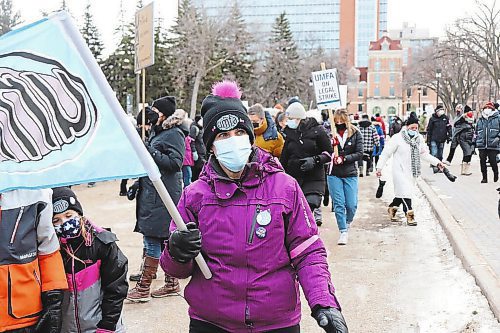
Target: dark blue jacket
{"points": [[488, 132]]}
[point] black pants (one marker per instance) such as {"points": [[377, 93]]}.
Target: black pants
{"points": [[405, 201], [465, 159], [123, 186], [198, 326], [491, 155]]}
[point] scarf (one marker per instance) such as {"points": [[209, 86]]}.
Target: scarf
{"points": [[415, 152]]}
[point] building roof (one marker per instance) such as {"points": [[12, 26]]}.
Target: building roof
{"points": [[393, 44]]}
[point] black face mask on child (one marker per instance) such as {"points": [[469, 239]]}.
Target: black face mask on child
{"points": [[340, 127]]}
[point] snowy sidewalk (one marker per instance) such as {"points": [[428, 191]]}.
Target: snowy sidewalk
{"points": [[475, 227]]}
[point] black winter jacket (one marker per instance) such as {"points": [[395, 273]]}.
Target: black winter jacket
{"points": [[113, 274], [167, 148], [463, 135], [308, 140], [196, 133], [439, 129], [352, 152]]}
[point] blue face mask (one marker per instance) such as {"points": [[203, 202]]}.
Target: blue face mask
{"points": [[70, 228], [291, 123], [412, 133], [233, 152]]}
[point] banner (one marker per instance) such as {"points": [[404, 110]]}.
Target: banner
{"points": [[144, 38], [58, 115]]}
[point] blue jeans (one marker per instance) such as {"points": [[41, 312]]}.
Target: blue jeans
{"points": [[153, 246], [187, 174], [437, 149], [344, 194]]}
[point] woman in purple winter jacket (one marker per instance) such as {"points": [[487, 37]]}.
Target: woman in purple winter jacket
{"points": [[259, 236]]}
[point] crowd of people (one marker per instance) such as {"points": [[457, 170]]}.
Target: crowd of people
{"points": [[247, 181]]}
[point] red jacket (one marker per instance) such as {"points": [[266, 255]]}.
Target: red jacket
{"points": [[30, 262]]}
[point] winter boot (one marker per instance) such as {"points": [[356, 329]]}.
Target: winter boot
{"points": [[361, 170], [466, 169], [392, 213], [495, 177], [140, 293], [170, 288], [410, 218], [485, 178], [137, 277]]}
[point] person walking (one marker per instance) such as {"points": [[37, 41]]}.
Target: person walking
{"points": [[396, 126], [343, 173], [377, 150], [438, 132], [267, 136], [463, 135], [95, 267], [422, 124], [32, 278], [407, 148], [307, 149], [166, 146], [250, 221], [196, 132], [370, 140], [190, 155], [487, 140]]}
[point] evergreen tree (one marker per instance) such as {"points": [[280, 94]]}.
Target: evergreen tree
{"points": [[159, 75], [91, 34], [281, 76], [119, 66], [8, 18]]}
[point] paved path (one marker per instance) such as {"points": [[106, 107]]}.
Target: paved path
{"points": [[389, 278]]}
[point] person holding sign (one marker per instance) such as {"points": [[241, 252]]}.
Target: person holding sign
{"points": [[307, 149], [343, 173], [259, 237]]}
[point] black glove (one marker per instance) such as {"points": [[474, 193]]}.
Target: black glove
{"points": [[51, 319], [307, 164], [330, 319], [449, 175], [132, 191], [184, 246], [380, 189]]}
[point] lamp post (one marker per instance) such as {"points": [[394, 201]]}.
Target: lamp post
{"points": [[419, 93], [438, 76]]}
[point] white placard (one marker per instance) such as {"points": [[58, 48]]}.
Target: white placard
{"points": [[144, 38], [326, 89]]}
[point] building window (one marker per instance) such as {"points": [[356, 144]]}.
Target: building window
{"points": [[392, 92], [392, 77], [377, 65], [360, 92], [391, 110], [424, 106], [392, 65], [376, 110], [377, 92], [377, 78], [408, 106], [424, 91], [360, 107], [408, 92]]}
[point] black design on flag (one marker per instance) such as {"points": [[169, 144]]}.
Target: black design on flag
{"points": [[41, 110]]}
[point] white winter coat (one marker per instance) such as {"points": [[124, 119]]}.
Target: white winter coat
{"points": [[404, 182]]}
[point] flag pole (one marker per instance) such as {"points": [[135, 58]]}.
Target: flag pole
{"points": [[128, 128]]}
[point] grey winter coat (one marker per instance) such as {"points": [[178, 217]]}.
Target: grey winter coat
{"points": [[488, 132], [167, 148]]}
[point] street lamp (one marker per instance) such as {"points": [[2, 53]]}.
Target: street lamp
{"points": [[419, 93], [438, 76]]}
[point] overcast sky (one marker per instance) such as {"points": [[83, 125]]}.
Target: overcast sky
{"points": [[431, 14]]}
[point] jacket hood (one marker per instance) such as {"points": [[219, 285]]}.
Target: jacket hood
{"points": [[365, 123], [434, 115], [261, 164], [307, 124]]}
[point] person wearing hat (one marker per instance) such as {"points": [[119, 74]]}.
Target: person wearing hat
{"points": [[96, 269], [250, 221], [438, 132], [371, 139], [307, 149], [407, 148], [267, 136], [167, 148], [463, 135], [487, 140], [32, 277]]}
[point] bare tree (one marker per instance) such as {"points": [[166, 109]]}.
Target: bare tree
{"points": [[479, 37], [460, 74]]}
